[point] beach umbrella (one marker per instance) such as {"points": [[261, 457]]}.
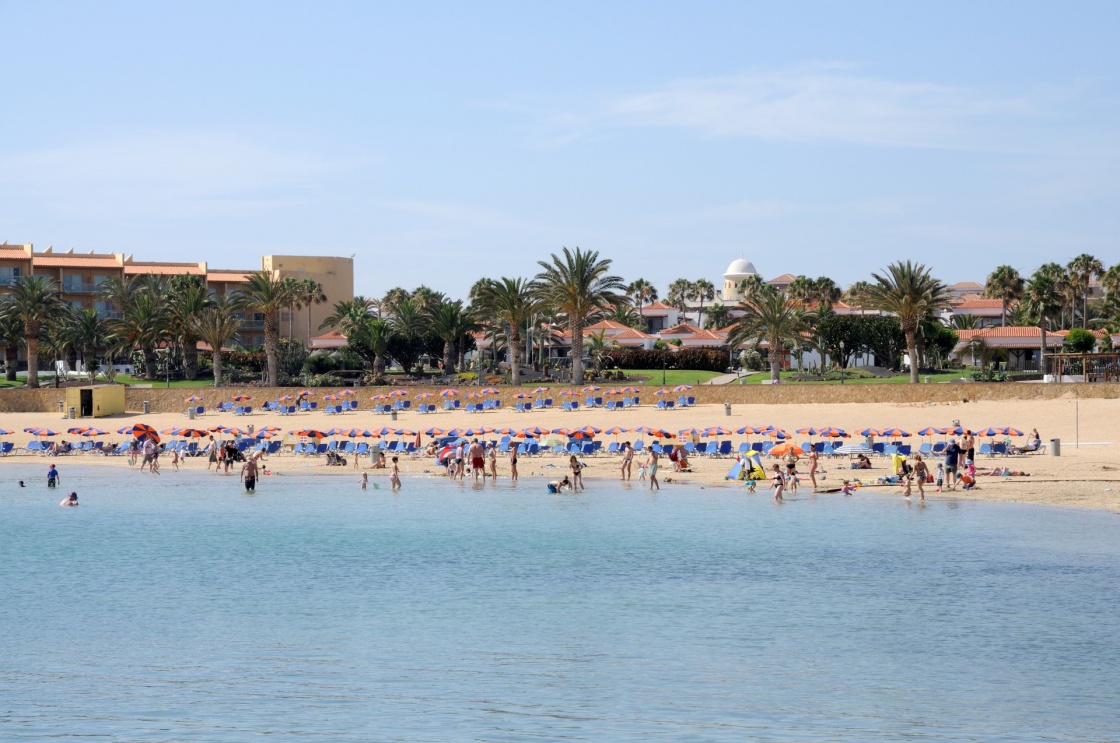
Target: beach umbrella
{"points": [[346, 393], [305, 393], [860, 448], [591, 388], [990, 432], [309, 433], [716, 431], [834, 433], [782, 450], [385, 431], [240, 398], [285, 398], [239, 432], [869, 432], [141, 430], [539, 390], [435, 431], [51, 432], [380, 396], [165, 432], [213, 429], [94, 432], [449, 392], [330, 398], [473, 395], [398, 393], [424, 395], [682, 388], [955, 430], [663, 392], [689, 432], [5, 432], [195, 433], [354, 433], [582, 433], [193, 398], [490, 391], [475, 432], [263, 435], [79, 430], [561, 431], [894, 432], [504, 431], [612, 391], [616, 430], [808, 431], [568, 393], [929, 431], [775, 433], [534, 430], [746, 431], [628, 390], [522, 396], [407, 432], [1009, 431]]}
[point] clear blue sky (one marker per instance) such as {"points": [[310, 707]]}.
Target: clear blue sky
{"points": [[441, 142]]}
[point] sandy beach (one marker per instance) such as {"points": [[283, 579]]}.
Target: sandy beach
{"points": [[1086, 475]]}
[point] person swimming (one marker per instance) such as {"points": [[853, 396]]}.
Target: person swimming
{"points": [[70, 500]]}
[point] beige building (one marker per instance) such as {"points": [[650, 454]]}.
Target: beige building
{"points": [[79, 275]]}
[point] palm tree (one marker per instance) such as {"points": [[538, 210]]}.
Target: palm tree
{"points": [[751, 287], [624, 314], [803, 290], [1082, 269], [216, 325], [771, 316], [267, 294], [85, 332], [143, 325], [309, 293], [451, 321], [718, 316], [679, 292], [11, 332], [35, 301], [1006, 285], [578, 284], [408, 324], [1041, 300], [641, 291], [855, 294], [963, 322], [702, 290], [1110, 281], [826, 293], [598, 345], [188, 297], [511, 303], [909, 293]]}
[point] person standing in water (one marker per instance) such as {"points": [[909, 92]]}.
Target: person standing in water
{"points": [[395, 476], [249, 475], [778, 482], [365, 480], [53, 478], [513, 462], [627, 460], [651, 468], [813, 467]]}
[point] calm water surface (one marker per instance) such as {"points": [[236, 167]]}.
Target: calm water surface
{"points": [[179, 609]]}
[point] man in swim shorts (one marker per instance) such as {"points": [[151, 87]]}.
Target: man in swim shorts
{"points": [[651, 469], [556, 486], [249, 475], [477, 456]]}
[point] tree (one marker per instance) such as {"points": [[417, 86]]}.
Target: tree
{"points": [[578, 284], [1082, 269], [11, 332], [964, 322], [679, 291], [187, 297], [641, 292], [1110, 282], [719, 315], [774, 317], [268, 294], [409, 324], [1081, 340], [85, 332], [143, 325], [624, 314], [825, 293], [909, 293], [309, 293], [511, 304], [598, 345], [34, 300], [833, 329], [1006, 285], [216, 325], [451, 321], [1041, 302], [856, 293], [702, 290], [750, 287]]}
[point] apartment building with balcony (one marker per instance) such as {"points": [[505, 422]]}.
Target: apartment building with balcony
{"points": [[78, 276]]}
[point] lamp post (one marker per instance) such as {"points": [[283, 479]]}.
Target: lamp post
{"points": [[842, 362]]}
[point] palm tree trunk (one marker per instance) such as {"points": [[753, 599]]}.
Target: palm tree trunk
{"points": [[449, 356], [1003, 312], [308, 326], [11, 361], [149, 362], [514, 362], [190, 358], [271, 343], [217, 363], [912, 352], [32, 360], [775, 358], [577, 350]]}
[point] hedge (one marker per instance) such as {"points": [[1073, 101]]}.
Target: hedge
{"points": [[692, 359]]}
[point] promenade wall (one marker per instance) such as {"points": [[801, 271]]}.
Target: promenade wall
{"points": [[163, 400]]}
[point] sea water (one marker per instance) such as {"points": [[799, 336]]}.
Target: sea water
{"points": [[178, 608]]}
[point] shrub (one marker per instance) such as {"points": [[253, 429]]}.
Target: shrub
{"points": [[691, 359], [1081, 340]]}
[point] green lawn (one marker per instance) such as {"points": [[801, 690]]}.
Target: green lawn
{"points": [[672, 377], [175, 383], [787, 377]]}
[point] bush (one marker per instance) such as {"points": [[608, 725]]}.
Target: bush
{"points": [[751, 360], [466, 377], [321, 363], [691, 359], [1081, 340], [324, 380]]}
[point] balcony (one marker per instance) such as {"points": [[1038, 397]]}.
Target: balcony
{"points": [[252, 324], [8, 280], [78, 288]]}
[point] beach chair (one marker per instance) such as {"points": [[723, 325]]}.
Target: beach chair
{"points": [[999, 448], [691, 401], [534, 449], [766, 447], [879, 449], [904, 449], [522, 450], [890, 449], [690, 448], [655, 447], [6, 448], [588, 449], [638, 445], [682, 402], [925, 449], [725, 448], [986, 449], [661, 405], [613, 448], [744, 447], [566, 407], [35, 446], [939, 448], [361, 450], [349, 447]]}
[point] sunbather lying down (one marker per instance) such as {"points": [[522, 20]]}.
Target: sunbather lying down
{"points": [[1003, 472]]}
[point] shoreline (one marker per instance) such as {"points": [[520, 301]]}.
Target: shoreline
{"points": [[1080, 477]]}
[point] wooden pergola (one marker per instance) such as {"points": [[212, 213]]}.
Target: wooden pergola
{"points": [[1093, 367]]}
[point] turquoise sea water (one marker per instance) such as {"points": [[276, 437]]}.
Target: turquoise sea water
{"points": [[179, 609]]}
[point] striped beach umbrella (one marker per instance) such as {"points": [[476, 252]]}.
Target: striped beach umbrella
{"points": [[193, 398], [435, 431], [346, 393], [616, 430], [523, 396], [628, 390], [424, 396], [568, 393], [398, 393], [894, 432], [504, 431], [991, 432], [1009, 431], [540, 390], [449, 392], [716, 431], [490, 391], [689, 432], [381, 396], [661, 392], [929, 431], [869, 432], [240, 398], [383, 431], [682, 388], [810, 431], [591, 388]]}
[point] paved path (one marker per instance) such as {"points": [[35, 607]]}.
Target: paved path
{"points": [[723, 379]]}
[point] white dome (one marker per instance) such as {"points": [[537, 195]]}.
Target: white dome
{"points": [[740, 268]]}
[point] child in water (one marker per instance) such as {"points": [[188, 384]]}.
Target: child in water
{"points": [[395, 475], [365, 480], [940, 477], [847, 489], [641, 473], [751, 486]]}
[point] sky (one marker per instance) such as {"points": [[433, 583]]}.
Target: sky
{"points": [[439, 143]]}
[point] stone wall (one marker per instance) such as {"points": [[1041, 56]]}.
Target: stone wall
{"points": [[172, 400]]}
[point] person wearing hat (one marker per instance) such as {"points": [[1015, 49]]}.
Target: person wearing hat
{"points": [[952, 458]]}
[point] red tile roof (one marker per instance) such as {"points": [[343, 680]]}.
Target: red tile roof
{"points": [[683, 328], [980, 304], [164, 269], [966, 285], [658, 306], [76, 261], [786, 278]]}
